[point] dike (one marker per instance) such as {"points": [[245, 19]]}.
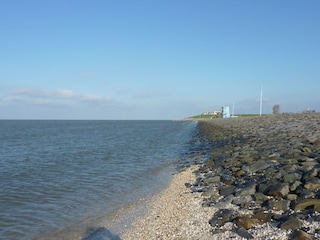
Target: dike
{"points": [[262, 173]]}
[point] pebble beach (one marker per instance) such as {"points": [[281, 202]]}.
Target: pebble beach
{"points": [[259, 179]]}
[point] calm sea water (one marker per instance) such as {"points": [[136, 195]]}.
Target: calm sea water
{"points": [[60, 178]]}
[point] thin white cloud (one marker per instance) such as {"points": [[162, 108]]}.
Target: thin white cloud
{"points": [[52, 97]]}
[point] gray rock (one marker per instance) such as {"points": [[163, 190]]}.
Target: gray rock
{"points": [[213, 179], [294, 186], [249, 190], [260, 198], [309, 164], [269, 163], [257, 166], [306, 194], [312, 184], [274, 155], [300, 235], [242, 232], [305, 203], [228, 180], [292, 223], [223, 202], [221, 217], [209, 192], [292, 177], [263, 188], [279, 205], [312, 173], [278, 190], [292, 197], [211, 201], [240, 200], [226, 191]]}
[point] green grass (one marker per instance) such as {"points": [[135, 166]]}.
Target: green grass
{"points": [[208, 116], [205, 116], [251, 115]]}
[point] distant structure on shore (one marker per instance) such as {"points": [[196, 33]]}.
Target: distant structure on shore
{"points": [[225, 112], [212, 113]]}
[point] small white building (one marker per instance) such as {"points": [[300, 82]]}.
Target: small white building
{"points": [[212, 113]]}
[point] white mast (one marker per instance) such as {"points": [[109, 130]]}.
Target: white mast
{"points": [[261, 100], [233, 109]]}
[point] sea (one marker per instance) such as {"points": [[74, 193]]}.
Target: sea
{"points": [[74, 179]]}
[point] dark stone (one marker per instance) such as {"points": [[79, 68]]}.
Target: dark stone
{"points": [[257, 166], [279, 205], [312, 184], [228, 180], [268, 163], [249, 190], [262, 187], [306, 149], [294, 186], [239, 173], [227, 190], [243, 233], [223, 202], [240, 200], [262, 217], [246, 221], [211, 201], [278, 190], [260, 198], [300, 235], [221, 217], [213, 179], [292, 197], [274, 155], [311, 174], [196, 189], [305, 203], [292, 223], [292, 177], [316, 208]]}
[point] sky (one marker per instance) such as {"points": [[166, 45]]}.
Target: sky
{"points": [[154, 60]]}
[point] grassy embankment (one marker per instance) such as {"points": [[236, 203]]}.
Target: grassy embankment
{"points": [[209, 116]]}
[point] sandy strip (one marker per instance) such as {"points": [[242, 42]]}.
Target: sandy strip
{"points": [[174, 213]]}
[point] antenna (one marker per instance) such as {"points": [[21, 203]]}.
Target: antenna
{"points": [[233, 109], [261, 99]]}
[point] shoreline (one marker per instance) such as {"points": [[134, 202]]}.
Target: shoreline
{"points": [[170, 213], [231, 185]]}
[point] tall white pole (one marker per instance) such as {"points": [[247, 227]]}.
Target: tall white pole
{"points": [[261, 100], [233, 109]]}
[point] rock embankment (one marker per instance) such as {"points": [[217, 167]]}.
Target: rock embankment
{"points": [[262, 172]]}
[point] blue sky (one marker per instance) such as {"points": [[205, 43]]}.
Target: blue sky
{"points": [[163, 59]]}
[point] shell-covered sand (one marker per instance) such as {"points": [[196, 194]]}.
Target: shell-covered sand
{"points": [[176, 213]]}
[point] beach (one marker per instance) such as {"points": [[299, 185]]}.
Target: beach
{"points": [[175, 213], [260, 180]]}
